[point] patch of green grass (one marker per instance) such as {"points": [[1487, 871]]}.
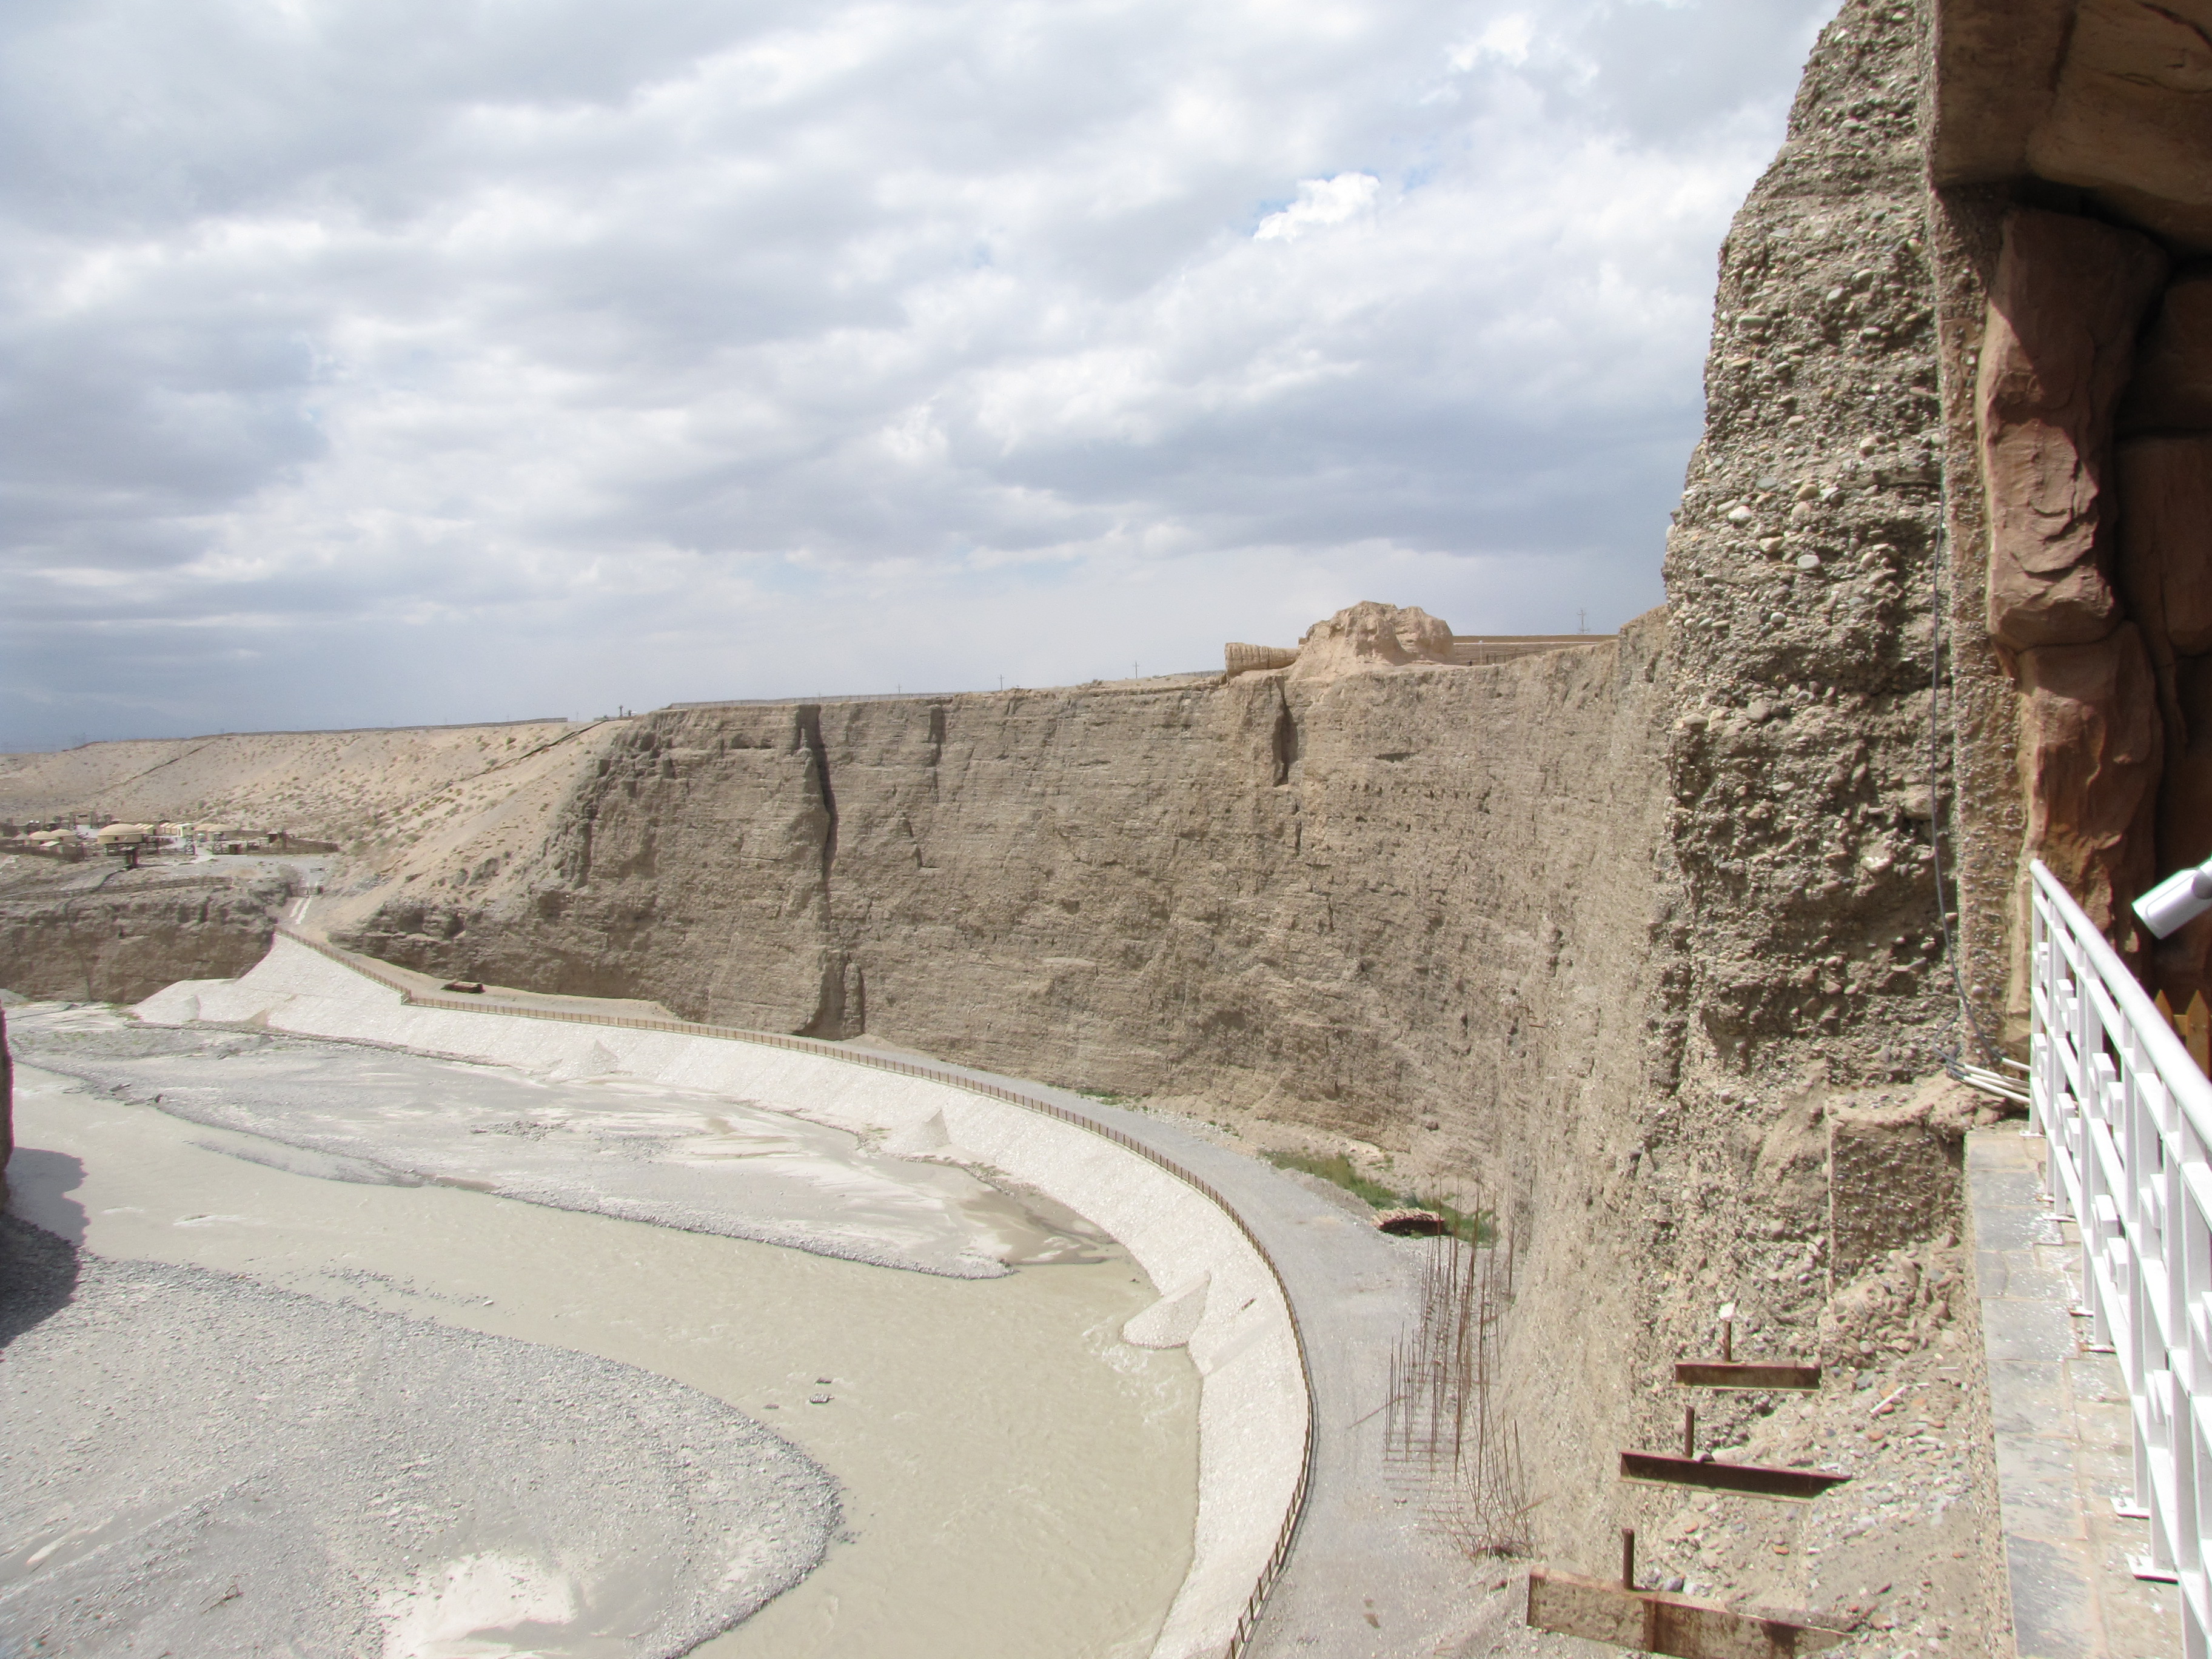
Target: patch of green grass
{"points": [[1339, 1168]]}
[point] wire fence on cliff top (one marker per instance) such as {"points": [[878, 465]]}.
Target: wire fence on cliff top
{"points": [[1248, 1620]]}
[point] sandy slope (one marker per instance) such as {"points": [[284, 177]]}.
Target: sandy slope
{"points": [[331, 785], [415, 809]]}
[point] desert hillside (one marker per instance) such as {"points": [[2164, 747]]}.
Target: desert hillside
{"points": [[332, 786]]}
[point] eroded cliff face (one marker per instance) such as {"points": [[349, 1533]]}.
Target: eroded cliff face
{"points": [[102, 935], [1412, 905], [1619, 932], [1343, 900], [1644, 941]]}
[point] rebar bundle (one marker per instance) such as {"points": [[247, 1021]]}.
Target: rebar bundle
{"points": [[1439, 1413]]}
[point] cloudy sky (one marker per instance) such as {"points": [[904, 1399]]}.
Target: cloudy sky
{"points": [[370, 363]]}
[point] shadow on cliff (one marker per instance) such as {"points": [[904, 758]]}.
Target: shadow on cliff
{"points": [[38, 1269]]}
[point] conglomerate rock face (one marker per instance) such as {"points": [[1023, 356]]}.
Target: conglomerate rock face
{"points": [[1799, 585]]}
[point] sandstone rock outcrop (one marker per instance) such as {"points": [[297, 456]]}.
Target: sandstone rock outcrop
{"points": [[2167, 539], [2173, 386], [2183, 963], [2166, 483], [2128, 117], [2070, 147], [2068, 296], [2089, 759]]}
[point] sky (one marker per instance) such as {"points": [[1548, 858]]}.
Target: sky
{"points": [[377, 364]]}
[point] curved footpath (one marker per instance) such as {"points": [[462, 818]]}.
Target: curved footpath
{"points": [[1363, 1578]]}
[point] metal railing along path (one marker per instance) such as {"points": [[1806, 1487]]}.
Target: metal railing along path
{"points": [[1248, 1622], [2128, 1120]]}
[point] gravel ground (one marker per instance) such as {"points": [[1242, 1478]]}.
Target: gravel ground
{"points": [[616, 1145], [1906, 1556], [192, 1463]]}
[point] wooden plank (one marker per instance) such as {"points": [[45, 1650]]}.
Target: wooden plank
{"points": [[1651, 1621], [1753, 1479], [1720, 1374], [2193, 1025]]}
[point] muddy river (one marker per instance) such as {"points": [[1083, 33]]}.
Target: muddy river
{"points": [[1014, 1478]]}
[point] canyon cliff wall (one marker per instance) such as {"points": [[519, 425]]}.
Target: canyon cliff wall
{"points": [[1614, 931], [104, 935], [1337, 900], [1621, 937]]}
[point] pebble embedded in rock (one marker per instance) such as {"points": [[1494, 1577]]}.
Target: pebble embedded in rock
{"points": [[1809, 561]]}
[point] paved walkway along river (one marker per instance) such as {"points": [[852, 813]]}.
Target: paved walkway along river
{"points": [[1366, 1578]]}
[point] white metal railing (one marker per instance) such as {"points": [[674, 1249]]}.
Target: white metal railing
{"points": [[2128, 1120]]}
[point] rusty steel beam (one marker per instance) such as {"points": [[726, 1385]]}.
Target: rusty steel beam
{"points": [[1753, 1479], [1724, 1374], [1651, 1621]]}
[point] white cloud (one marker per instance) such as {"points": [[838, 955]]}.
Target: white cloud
{"points": [[1507, 39], [395, 361], [1320, 202]]}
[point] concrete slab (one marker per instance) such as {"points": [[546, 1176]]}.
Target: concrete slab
{"points": [[2064, 1438]]}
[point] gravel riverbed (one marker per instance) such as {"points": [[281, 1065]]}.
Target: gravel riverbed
{"points": [[192, 1462]]}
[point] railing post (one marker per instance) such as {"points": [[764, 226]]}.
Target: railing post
{"points": [[2127, 1116]]}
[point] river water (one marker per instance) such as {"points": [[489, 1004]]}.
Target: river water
{"points": [[1017, 1481]]}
